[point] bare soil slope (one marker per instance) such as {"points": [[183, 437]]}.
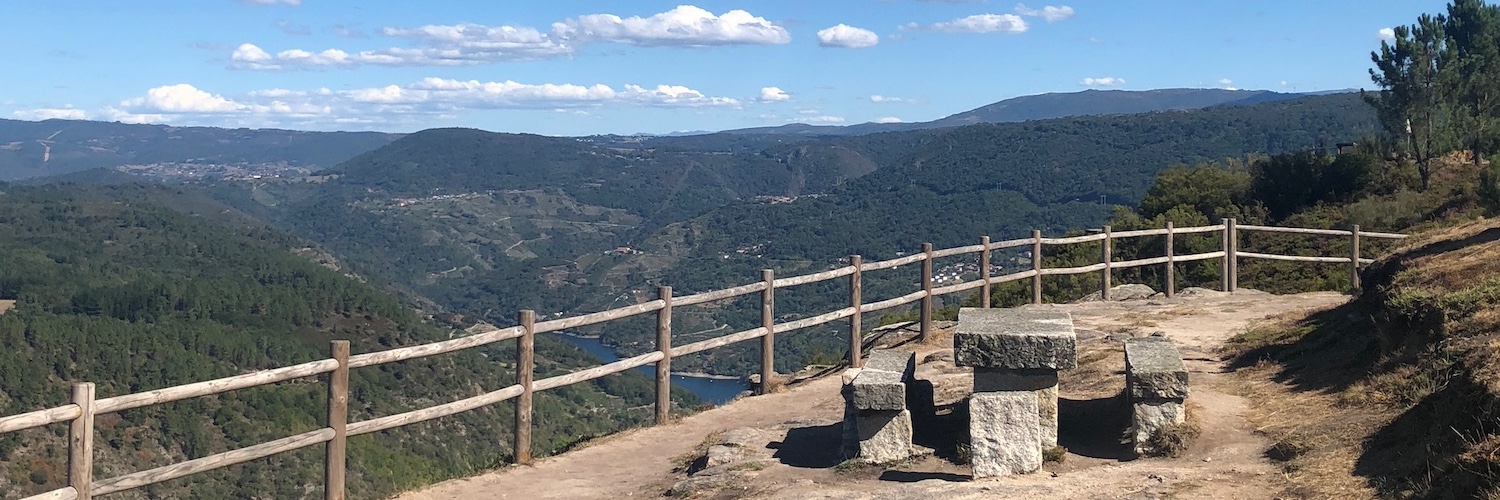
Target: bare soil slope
{"points": [[793, 435]]}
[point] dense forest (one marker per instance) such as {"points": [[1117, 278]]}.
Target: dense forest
{"points": [[112, 288], [1000, 180]]}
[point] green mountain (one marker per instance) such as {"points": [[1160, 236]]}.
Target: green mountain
{"points": [[1000, 180], [1090, 102], [54, 147], [484, 224], [114, 288]]}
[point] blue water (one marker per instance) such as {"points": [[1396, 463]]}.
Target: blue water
{"points": [[710, 390]]}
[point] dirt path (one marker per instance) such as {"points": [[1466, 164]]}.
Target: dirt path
{"points": [[799, 430]]}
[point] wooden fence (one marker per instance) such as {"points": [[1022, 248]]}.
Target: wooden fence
{"points": [[81, 412]]}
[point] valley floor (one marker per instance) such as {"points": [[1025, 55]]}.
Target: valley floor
{"points": [[798, 430]]}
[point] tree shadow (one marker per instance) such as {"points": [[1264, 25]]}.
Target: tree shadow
{"points": [[811, 447], [1095, 428]]}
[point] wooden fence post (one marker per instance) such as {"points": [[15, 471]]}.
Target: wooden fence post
{"points": [[334, 465], [1354, 258], [525, 363], [926, 297], [1234, 253], [984, 272], [664, 367], [1036, 266], [1171, 279], [1106, 251], [856, 337], [81, 442], [1224, 261], [768, 321]]}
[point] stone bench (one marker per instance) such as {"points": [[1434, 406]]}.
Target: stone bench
{"points": [[877, 422], [1157, 383], [1016, 354]]}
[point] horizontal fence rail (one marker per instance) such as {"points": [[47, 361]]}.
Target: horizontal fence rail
{"points": [[81, 411]]}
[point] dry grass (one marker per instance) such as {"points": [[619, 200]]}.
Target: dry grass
{"points": [[1098, 373], [941, 334], [1312, 434], [6, 305]]}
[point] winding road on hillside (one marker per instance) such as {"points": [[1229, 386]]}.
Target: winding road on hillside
{"points": [[799, 426]]}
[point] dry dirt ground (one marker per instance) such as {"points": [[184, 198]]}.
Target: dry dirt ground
{"points": [[799, 430]]}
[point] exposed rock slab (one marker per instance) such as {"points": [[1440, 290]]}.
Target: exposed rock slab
{"points": [[1132, 291]]}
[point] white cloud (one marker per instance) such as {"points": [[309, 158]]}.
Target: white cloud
{"points": [[417, 102], [1387, 34], [1108, 81], [181, 98], [474, 44], [888, 119], [1227, 84], [877, 98], [276, 93], [293, 3], [774, 94], [978, 23], [1050, 13], [849, 37], [250, 56], [685, 25], [67, 113]]}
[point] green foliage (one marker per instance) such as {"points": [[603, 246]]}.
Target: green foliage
{"points": [[1489, 186], [136, 297], [1285, 183], [1440, 83]]}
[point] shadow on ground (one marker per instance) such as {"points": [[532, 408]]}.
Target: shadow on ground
{"points": [[1094, 428], [812, 447], [901, 476]]}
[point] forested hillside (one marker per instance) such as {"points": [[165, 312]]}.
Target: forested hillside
{"points": [[1092, 102], [484, 224], [111, 287], [56, 147], [1000, 180]]}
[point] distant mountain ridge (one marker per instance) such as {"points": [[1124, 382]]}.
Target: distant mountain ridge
{"points": [[56, 147], [1090, 102]]}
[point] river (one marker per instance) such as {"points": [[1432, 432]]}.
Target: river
{"points": [[710, 390]]}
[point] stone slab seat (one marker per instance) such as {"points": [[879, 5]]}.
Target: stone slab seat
{"points": [[1154, 369], [877, 423], [1015, 339], [1157, 382], [881, 383]]}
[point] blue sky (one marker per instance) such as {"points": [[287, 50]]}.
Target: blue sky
{"points": [[563, 67]]}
